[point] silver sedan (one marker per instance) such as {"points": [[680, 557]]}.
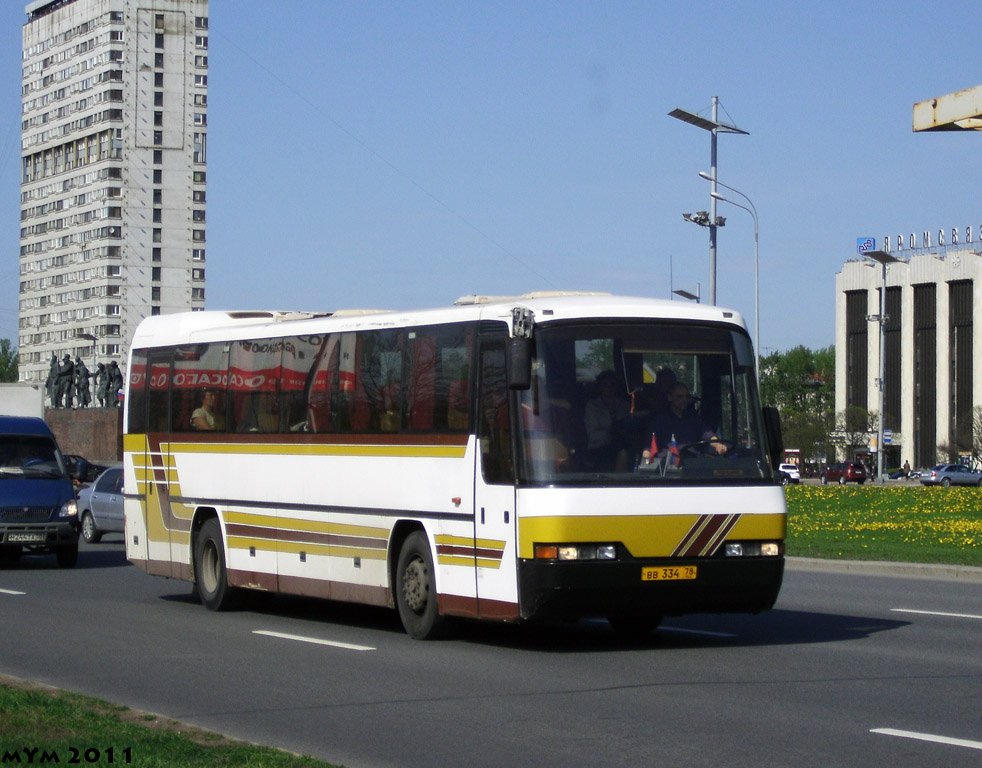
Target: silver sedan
{"points": [[951, 474], [100, 506]]}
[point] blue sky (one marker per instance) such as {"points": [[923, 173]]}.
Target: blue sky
{"points": [[402, 154]]}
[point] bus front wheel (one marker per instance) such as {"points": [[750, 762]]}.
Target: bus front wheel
{"points": [[416, 589], [210, 573]]}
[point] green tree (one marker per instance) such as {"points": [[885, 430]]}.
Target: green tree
{"points": [[9, 359], [855, 425], [801, 384]]}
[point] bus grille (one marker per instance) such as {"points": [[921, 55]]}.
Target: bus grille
{"points": [[24, 514]]}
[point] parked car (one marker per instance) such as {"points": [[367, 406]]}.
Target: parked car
{"points": [[100, 506], [791, 470], [81, 469], [951, 474], [844, 472]]}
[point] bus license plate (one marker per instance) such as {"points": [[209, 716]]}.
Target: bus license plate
{"points": [[669, 573], [25, 537]]}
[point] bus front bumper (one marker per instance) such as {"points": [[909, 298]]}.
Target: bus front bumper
{"points": [[570, 590]]}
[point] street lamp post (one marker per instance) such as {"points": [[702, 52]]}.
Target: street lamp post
{"points": [[89, 337], [689, 294], [882, 258], [714, 126], [752, 210]]}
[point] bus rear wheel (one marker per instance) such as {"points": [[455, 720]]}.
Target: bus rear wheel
{"points": [[416, 589], [210, 573]]}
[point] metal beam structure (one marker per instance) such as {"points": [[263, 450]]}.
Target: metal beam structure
{"points": [[960, 111]]}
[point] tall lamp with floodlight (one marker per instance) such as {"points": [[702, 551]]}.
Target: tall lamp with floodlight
{"points": [[883, 259], [714, 126]]}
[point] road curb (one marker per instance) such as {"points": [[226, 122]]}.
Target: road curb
{"points": [[880, 568]]}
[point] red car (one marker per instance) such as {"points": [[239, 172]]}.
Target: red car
{"points": [[845, 472]]}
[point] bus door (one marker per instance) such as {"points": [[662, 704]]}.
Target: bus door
{"points": [[135, 475], [495, 525], [160, 466], [149, 418]]}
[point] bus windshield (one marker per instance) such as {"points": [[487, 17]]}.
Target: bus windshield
{"points": [[632, 403]]}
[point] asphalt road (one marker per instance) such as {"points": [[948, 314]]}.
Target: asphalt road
{"points": [[850, 669]]}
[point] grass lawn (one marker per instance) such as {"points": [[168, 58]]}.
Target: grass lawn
{"points": [[44, 726], [894, 523]]}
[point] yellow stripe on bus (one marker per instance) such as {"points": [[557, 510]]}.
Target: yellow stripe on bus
{"points": [[288, 524], [467, 541], [306, 449], [468, 562], [296, 547], [643, 535]]}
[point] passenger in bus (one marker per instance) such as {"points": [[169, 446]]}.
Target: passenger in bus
{"points": [[681, 422], [658, 397], [204, 417], [605, 419]]}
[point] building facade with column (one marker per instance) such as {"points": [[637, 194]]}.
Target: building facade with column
{"points": [[113, 151], [930, 346]]}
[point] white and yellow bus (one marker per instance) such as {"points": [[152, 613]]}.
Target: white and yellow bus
{"points": [[457, 461]]}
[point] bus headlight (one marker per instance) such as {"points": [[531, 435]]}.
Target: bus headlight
{"points": [[752, 549], [606, 552], [575, 551]]}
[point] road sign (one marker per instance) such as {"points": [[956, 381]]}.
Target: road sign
{"points": [[887, 436]]}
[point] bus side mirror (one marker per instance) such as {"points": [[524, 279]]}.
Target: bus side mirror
{"points": [[519, 368], [775, 442]]}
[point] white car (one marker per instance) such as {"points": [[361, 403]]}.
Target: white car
{"points": [[791, 470]]}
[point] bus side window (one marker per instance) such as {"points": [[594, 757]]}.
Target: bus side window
{"points": [[321, 380], [381, 379], [137, 392], [494, 423], [158, 392], [252, 388], [438, 378], [196, 368]]}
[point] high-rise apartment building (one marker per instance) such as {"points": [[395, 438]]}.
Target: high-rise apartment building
{"points": [[114, 144]]}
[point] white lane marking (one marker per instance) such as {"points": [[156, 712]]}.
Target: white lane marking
{"points": [[682, 630], [314, 640], [938, 613], [12, 592], [928, 737]]}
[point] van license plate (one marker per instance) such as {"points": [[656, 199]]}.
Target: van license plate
{"points": [[669, 573], [25, 537]]}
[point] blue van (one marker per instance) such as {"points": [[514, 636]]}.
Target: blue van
{"points": [[38, 509]]}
